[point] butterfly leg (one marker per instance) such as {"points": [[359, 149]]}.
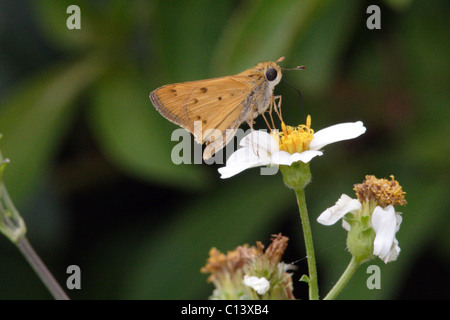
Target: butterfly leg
{"points": [[250, 123], [272, 101], [267, 122], [278, 107], [251, 130]]}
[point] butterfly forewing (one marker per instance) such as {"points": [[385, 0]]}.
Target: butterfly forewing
{"points": [[215, 103]]}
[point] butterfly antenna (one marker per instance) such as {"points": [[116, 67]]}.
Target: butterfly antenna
{"points": [[299, 93], [296, 68]]}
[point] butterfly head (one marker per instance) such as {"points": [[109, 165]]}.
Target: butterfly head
{"points": [[271, 72]]}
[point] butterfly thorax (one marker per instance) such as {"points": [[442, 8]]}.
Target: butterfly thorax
{"points": [[262, 89]]}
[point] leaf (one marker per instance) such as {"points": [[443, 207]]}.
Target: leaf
{"points": [[304, 278], [324, 39], [34, 118], [400, 5], [261, 30], [184, 36], [52, 17]]}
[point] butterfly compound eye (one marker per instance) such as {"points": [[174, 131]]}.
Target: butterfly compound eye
{"points": [[271, 74]]}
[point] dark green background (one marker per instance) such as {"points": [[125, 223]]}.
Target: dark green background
{"points": [[90, 156]]}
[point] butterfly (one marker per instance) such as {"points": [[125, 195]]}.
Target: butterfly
{"points": [[213, 109]]}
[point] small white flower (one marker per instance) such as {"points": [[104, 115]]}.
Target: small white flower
{"points": [[260, 285], [259, 148], [385, 222]]}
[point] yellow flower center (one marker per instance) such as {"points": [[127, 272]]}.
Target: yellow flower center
{"points": [[382, 191], [295, 139]]}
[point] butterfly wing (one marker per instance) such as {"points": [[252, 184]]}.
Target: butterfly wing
{"points": [[220, 103]]}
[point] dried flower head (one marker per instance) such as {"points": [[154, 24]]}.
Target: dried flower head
{"points": [[384, 192], [219, 264], [251, 272]]}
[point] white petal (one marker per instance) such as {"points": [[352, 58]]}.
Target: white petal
{"points": [[399, 221], [242, 159], [285, 158], [261, 141], [260, 285], [344, 205], [346, 225], [245, 155], [395, 251], [384, 222], [232, 170], [338, 132]]}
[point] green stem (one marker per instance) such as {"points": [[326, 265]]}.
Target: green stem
{"points": [[40, 269], [344, 279], [307, 234], [13, 227]]}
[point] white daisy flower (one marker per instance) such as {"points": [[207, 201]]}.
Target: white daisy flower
{"points": [[294, 144]]}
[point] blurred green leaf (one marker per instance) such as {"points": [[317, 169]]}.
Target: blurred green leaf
{"points": [[185, 33], [35, 117], [322, 41], [423, 31], [260, 31], [399, 4], [104, 25], [52, 17], [134, 136]]}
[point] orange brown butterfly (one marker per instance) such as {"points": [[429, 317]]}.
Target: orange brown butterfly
{"points": [[213, 109]]}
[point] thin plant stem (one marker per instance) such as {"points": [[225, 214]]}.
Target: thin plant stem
{"points": [[307, 234], [344, 279], [40, 269]]}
